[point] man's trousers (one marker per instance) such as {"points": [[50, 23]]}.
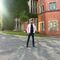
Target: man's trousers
{"points": [[33, 43]]}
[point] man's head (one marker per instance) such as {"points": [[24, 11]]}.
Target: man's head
{"points": [[31, 22]]}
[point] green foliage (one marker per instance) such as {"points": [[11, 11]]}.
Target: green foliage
{"points": [[23, 16], [15, 33], [15, 8], [33, 15], [8, 24]]}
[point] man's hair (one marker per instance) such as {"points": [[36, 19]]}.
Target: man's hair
{"points": [[30, 19]]}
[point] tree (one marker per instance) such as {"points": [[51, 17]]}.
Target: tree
{"points": [[23, 16], [15, 9]]}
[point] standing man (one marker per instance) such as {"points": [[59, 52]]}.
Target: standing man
{"points": [[31, 29]]}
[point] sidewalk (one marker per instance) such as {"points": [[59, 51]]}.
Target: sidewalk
{"points": [[46, 48]]}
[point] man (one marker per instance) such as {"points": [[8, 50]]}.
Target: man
{"points": [[31, 29]]}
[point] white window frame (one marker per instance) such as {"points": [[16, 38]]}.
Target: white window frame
{"points": [[42, 30], [52, 7], [51, 25]]}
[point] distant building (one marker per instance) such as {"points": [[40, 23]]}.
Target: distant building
{"points": [[32, 10], [48, 16], [32, 6]]}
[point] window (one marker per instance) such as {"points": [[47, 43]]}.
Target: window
{"points": [[35, 7], [53, 25], [41, 8], [42, 26], [52, 6]]}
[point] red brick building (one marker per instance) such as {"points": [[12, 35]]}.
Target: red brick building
{"points": [[48, 16]]}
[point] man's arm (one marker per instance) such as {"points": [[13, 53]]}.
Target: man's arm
{"points": [[27, 29], [34, 28]]}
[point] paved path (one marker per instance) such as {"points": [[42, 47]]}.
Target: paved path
{"points": [[14, 48]]}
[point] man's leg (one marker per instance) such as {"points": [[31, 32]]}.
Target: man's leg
{"points": [[28, 40], [33, 43]]}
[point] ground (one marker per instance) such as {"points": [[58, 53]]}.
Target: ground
{"points": [[14, 48]]}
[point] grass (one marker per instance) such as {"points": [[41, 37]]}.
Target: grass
{"points": [[15, 33], [22, 33]]}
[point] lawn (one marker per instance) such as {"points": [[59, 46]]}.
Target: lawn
{"points": [[15, 33], [21, 33]]}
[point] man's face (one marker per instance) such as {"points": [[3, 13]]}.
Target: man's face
{"points": [[31, 22]]}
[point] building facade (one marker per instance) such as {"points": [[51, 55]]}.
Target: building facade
{"points": [[32, 6], [48, 16]]}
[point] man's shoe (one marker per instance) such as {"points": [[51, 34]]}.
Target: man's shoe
{"points": [[33, 46]]}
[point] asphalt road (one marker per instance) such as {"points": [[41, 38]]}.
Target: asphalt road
{"points": [[14, 48]]}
